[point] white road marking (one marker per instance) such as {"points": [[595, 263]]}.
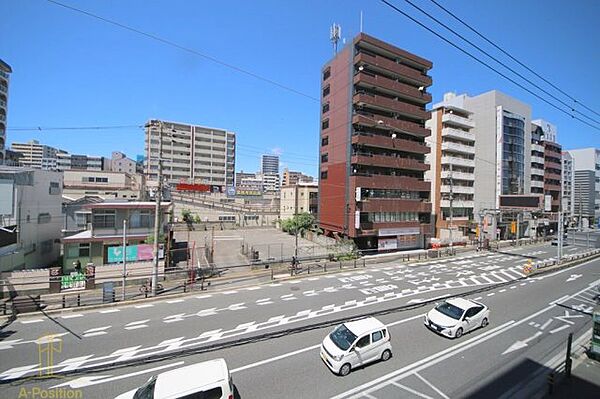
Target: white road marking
{"points": [[559, 328], [136, 327], [502, 290], [253, 288], [229, 292], [31, 321], [478, 298], [175, 301], [93, 334], [263, 300], [71, 316], [147, 305], [133, 323], [491, 294], [419, 394], [204, 296], [96, 329], [546, 324], [110, 311]]}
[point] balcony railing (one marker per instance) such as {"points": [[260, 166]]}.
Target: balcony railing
{"points": [[457, 203], [391, 105], [537, 147], [389, 161], [378, 141], [537, 184], [457, 189], [457, 175], [458, 161], [395, 68], [453, 119], [367, 180], [4, 75], [457, 133], [391, 123], [539, 160], [391, 85], [3, 89], [456, 147]]}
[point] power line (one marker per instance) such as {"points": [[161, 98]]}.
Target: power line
{"points": [[187, 49], [484, 63], [499, 62], [108, 127], [511, 57]]}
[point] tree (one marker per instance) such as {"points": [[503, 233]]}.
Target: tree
{"points": [[298, 223]]}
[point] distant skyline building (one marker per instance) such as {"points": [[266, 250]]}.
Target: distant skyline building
{"points": [[568, 180], [120, 163], [291, 178], [68, 161], [191, 153], [5, 71], [269, 164], [36, 155]]}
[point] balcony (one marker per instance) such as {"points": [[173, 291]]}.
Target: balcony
{"points": [[552, 165], [391, 105], [377, 62], [3, 89], [457, 189], [4, 75], [452, 119], [390, 123], [394, 205], [456, 147], [535, 171], [537, 184], [537, 159], [458, 134], [537, 147], [457, 203], [393, 87], [377, 141], [391, 182], [389, 162], [2, 103], [447, 160], [551, 187], [458, 175]]}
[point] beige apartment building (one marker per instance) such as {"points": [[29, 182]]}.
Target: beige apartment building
{"points": [[104, 184], [191, 154], [299, 198]]}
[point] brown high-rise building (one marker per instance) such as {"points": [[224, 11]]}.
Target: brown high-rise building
{"points": [[371, 186]]}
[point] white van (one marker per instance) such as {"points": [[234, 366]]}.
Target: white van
{"points": [[206, 380], [354, 344]]}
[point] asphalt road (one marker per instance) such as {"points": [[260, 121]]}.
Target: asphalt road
{"points": [[526, 332]]}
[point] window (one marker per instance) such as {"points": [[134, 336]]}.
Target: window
{"points": [[364, 341], [325, 141], [47, 246], [84, 250], [104, 218], [141, 219], [377, 335], [82, 219], [324, 158], [44, 218], [325, 124], [226, 218], [54, 188], [326, 91], [473, 311], [326, 73], [325, 107], [324, 175]]}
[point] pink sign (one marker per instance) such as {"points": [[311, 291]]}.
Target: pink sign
{"points": [[144, 252]]}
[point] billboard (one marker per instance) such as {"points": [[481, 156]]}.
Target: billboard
{"points": [[202, 188], [522, 201], [133, 253]]}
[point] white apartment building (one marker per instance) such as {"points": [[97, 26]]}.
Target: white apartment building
{"points": [[5, 71], [105, 184], [81, 162], [452, 166], [586, 170], [270, 182], [191, 153], [31, 217], [36, 155]]}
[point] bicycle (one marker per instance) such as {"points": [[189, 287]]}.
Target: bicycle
{"points": [[146, 287]]}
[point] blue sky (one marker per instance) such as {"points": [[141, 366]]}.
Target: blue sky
{"points": [[72, 70]]}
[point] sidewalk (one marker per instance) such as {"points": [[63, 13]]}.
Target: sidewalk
{"points": [[584, 382]]}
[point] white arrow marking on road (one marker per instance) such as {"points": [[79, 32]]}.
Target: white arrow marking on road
{"points": [[521, 344], [100, 379], [574, 277], [568, 316], [559, 328]]}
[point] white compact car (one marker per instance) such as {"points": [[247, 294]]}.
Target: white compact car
{"points": [[456, 316], [354, 344], [209, 379]]}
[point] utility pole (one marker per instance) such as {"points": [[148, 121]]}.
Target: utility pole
{"points": [[580, 211], [124, 256], [518, 226], [157, 210], [560, 237], [451, 203], [296, 220]]}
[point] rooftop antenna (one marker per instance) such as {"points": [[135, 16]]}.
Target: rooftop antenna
{"points": [[335, 32], [361, 21]]}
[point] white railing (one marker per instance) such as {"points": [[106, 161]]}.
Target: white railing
{"points": [[458, 120], [457, 133], [458, 161], [456, 147], [458, 175], [456, 203], [457, 189]]}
